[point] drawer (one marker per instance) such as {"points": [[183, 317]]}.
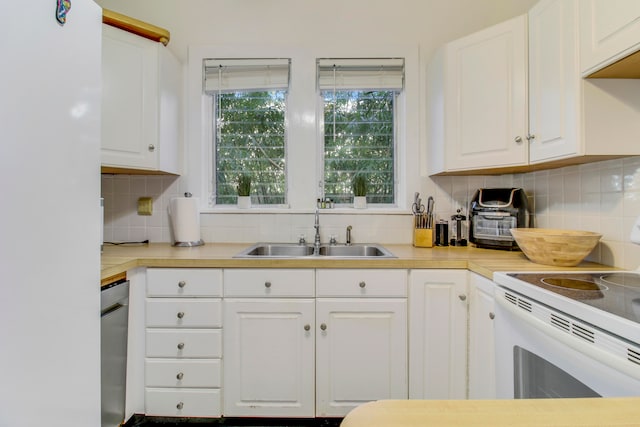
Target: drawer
{"points": [[183, 402], [361, 283], [178, 343], [269, 283], [183, 373], [183, 313], [184, 282]]}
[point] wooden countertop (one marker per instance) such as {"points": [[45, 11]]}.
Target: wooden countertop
{"points": [[119, 259], [496, 413]]}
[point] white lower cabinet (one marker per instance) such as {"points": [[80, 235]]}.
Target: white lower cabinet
{"points": [[183, 342], [361, 354], [288, 354], [304, 342], [482, 382], [269, 357], [361, 338], [438, 334], [269, 343]]}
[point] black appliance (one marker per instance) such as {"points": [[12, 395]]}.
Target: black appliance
{"points": [[493, 212]]}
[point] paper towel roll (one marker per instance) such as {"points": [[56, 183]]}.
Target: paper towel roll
{"points": [[185, 220]]}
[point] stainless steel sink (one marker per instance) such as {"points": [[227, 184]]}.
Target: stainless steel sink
{"points": [[291, 250], [355, 251], [276, 250]]}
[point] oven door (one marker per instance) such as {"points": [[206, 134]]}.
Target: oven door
{"points": [[542, 353]]}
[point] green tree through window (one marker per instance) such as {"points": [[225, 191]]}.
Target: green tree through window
{"points": [[359, 139], [250, 138]]}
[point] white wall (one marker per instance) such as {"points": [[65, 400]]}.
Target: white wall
{"points": [[427, 23], [603, 197]]}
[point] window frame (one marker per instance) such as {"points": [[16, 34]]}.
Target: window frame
{"points": [[302, 113], [396, 164], [212, 191]]}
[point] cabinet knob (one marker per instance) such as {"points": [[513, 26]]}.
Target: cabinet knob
{"points": [[180, 405], [462, 297], [362, 284], [180, 376], [182, 284], [518, 139], [307, 327], [531, 137], [323, 326], [180, 346], [492, 315], [180, 314], [267, 284], [152, 148]]}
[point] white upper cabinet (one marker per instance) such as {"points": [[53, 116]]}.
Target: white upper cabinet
{"points": [[554, 80], [141, 104], [573, 120], [569, 120], [609, 31], [477, 100]]}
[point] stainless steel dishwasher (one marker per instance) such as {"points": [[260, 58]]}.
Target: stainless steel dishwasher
{"points": [[114, 321]]}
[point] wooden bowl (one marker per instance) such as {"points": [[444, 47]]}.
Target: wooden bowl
{"points": [[565, 248]]}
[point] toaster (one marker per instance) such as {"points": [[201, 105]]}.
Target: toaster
{"points": [[493, 212]]}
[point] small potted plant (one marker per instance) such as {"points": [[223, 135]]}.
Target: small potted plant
{"points": [[244, 191], [359, 191]]}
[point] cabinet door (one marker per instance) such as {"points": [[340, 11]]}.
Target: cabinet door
{"points": [[554, 80], [269, 357], [486, 110], [609, 31], [361, 352], [129, 99], [438, 334], [482, 381]]}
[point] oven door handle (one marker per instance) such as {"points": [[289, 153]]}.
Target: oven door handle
{"points": [[588, 349]]}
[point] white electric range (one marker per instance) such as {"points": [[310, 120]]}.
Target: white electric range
{"points": [[567, 334]]}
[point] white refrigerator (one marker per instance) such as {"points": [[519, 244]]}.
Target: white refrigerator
{"points": [[49, 214]]}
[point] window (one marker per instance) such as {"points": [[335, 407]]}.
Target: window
{"points": [[359, 133], [249, 99]]}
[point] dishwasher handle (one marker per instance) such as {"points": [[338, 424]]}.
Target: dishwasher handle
{"points": [[111, 309]]}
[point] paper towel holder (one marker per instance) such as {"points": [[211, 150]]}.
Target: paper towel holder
{"points": [[198, 242]]}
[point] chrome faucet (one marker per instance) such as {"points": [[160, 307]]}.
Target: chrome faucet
{"points": [[348, 240], [316, 241]]}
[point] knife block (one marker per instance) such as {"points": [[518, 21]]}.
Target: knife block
{"points": [[423, 237]]}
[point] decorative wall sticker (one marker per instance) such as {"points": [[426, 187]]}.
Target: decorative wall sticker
{"points": [[62, 8]]}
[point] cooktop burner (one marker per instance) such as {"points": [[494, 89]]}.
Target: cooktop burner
{"points": [[573, 284], [614, 292]]}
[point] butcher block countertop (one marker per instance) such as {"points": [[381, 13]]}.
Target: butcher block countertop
{"points": [[118, 259], [496, 413]]}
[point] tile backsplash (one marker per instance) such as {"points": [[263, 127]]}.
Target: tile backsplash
{"points": [[603, 197]]}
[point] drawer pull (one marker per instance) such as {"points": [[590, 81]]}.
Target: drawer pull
{"points": [[180, 405], [182, 284], [307, 327], [180, 376], [323, 326], [362, 284], [180, 314], [267, 284], [462, 297], [180, 346], [492, 315]]}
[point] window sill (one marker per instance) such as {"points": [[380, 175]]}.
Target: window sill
{"points": [[288, 211]]}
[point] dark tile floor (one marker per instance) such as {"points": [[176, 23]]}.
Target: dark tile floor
{"points": [[142, 421]]}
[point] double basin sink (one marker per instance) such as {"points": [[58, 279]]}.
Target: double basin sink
{"points": [[290, 250]]}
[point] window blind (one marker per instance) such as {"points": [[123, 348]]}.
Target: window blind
{"points": [[229, 75], [360, 73]]}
